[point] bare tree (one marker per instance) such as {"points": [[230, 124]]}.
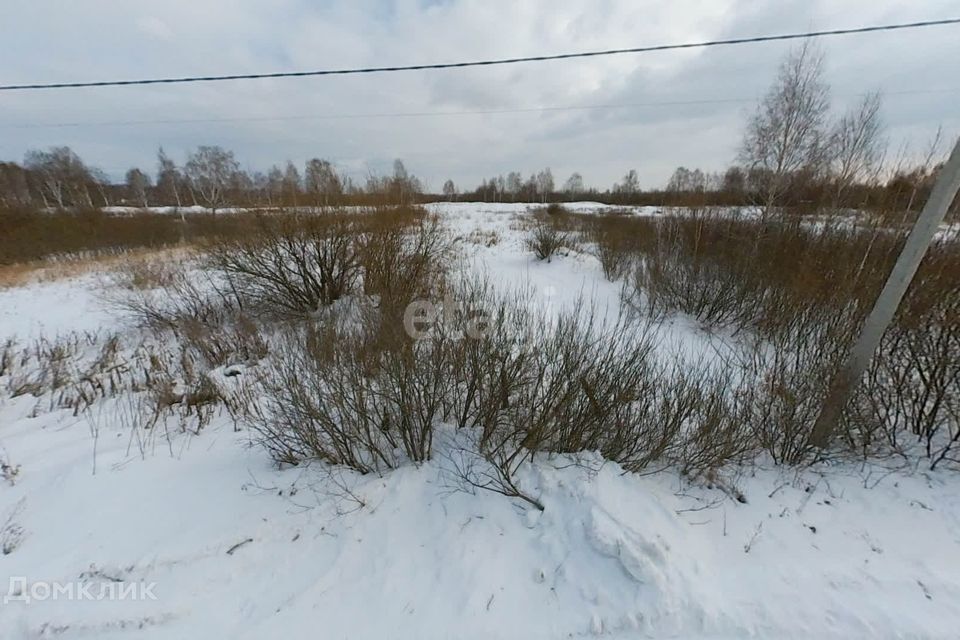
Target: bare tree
{"points": [[63, 177], [544, 184], [513, 184], [734, 180], [403, 184], [630, 183], [856, 144], [291, 184], [785, 138], [495, 189], [449, 190], [210, 170], [137, 184], [14, 188], [574, 184], [321, 181], [274, 185], [169, 179], [100, 181], [684, 180]]}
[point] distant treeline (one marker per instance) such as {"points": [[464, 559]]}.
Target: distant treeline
{"points": [[211, 177], [906, 189]]}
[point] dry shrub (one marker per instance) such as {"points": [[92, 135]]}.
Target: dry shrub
{"points": [[726, 270], [701, 399], [236, 340], [532, 385], [518, 381], [783, 381], [801, 288], [331, 396], [614, 242], [294, 265], [185, 296], [584, 388], [291, 265], [354, 388], [403, 262], [618, 238], [46, 366], [149, 274], [911, 391], [544, 239]]}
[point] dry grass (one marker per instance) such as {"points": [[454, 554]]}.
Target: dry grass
{"points": [[27, 235], [38, 245], [138, 264], [482, 237]]}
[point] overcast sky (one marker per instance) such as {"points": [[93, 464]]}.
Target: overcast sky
{"points": [[270, 121]]}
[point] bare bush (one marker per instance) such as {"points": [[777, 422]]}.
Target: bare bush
{"points": [[403, 261], [616, 240], [45, 367], [555, 209], [236, 340], [27, 235], [334, 398], [531, 385], [800, 290], [184, 296], [783, 381], [544, 239], [520, 383], [770, 276], [911, 391], [148, 274], [291, 265]]}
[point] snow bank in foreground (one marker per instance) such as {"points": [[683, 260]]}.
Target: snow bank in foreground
{"points": [[415, 554]]}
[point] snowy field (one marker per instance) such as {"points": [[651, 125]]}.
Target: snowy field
{"points": [[216, 542]]}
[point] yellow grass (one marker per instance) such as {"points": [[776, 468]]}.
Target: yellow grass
{"points": [[17, 275]]}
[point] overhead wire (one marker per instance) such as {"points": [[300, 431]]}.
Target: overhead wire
{"points": [[481, 63]]}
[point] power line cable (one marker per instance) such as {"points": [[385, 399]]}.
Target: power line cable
{"points": [[483, 63]]}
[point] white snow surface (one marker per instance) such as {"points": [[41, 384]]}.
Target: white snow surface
{"points": [[51, 309], [236, 548]]}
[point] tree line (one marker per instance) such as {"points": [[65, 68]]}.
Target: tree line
{"points": [[211, 176]]}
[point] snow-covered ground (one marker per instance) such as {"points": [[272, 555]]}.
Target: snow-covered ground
{"points": [[205, 537]]}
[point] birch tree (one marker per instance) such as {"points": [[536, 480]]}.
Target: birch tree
{"points": [[321, 181], [169, 179], [63, 177], [137, 184], [210, 170], [786, 137], [856, 144]]}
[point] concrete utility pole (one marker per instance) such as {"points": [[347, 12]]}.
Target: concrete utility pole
{"points": [[934, 211]]}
